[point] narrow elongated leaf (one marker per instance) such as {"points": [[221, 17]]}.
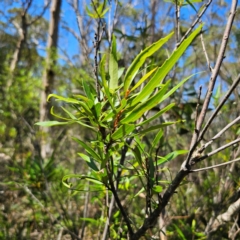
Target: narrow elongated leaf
{"points": [[190, 3], [165, 68], [140, 59], [90, 161], [72, 100], [140, 109], [85, 125], [87, 91], [137, 153], [139, 192], [123, 131], [96, 109], [174, 89], [86, 109], [51, 123], [98, 12], [114, 47], [104, 81], [82, 177], [168, 107], [84, 98], [171, 156], [146, 76], [157, 189], [67, 100], [158, 126], [113, 72], [58, 116], [88, 149], [68, 113], [120, 72], [156, 140]]}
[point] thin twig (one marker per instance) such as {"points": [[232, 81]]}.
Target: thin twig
{"points": [[200, 158], [177, 13], [231, 89], [41, 14], [184, 172], [195, 138], [215, 166], [197, 107], [196, 21], [97, 43], [27, 190], [119, 204], [81, 30], [205, 52], [219, 134]]}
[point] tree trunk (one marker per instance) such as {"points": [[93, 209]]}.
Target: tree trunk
{"points": [[49, 74]]}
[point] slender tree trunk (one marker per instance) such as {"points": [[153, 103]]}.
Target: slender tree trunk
{"points": [[22, 31], [49, 74]]}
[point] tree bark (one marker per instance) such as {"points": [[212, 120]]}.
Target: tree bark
{"points": [[49, 74]]}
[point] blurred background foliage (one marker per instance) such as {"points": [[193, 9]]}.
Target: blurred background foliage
{"points": [[34, 203]]}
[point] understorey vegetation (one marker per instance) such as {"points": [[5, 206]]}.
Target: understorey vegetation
{"points": [[119, 119]]}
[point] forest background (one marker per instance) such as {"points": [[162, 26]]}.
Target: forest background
{"points": [[85, 164]]}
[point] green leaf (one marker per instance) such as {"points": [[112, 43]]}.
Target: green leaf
{"points": [[91, 220], [90, 161], [97, 110], [165, 68], [174, 89], [67, 100], [171, 156], [72, 100], [97, 12], [58, 116], [51, 123], [140, 109], [156, 140], [82, 177], [104, 81], [140, 59], [123, 131], [157, 189], [120, 72], [114, 47], [137, 153], [113, 72], [87, 91], [158, 126], [157, 115], [190, 3], [146, 76], [68, 113], [180, 233], [140, 191], [88, 149], [85, 125]]}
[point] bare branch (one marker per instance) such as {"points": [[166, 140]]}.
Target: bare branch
{"points": [[223, 218], [177, 13], [231, 89], [198, 103], [218, 62], [200, 158], [218, 135], [216, 166], [205, 52], [41, 14], [53, 218], [195, 138], [196, 21]]}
